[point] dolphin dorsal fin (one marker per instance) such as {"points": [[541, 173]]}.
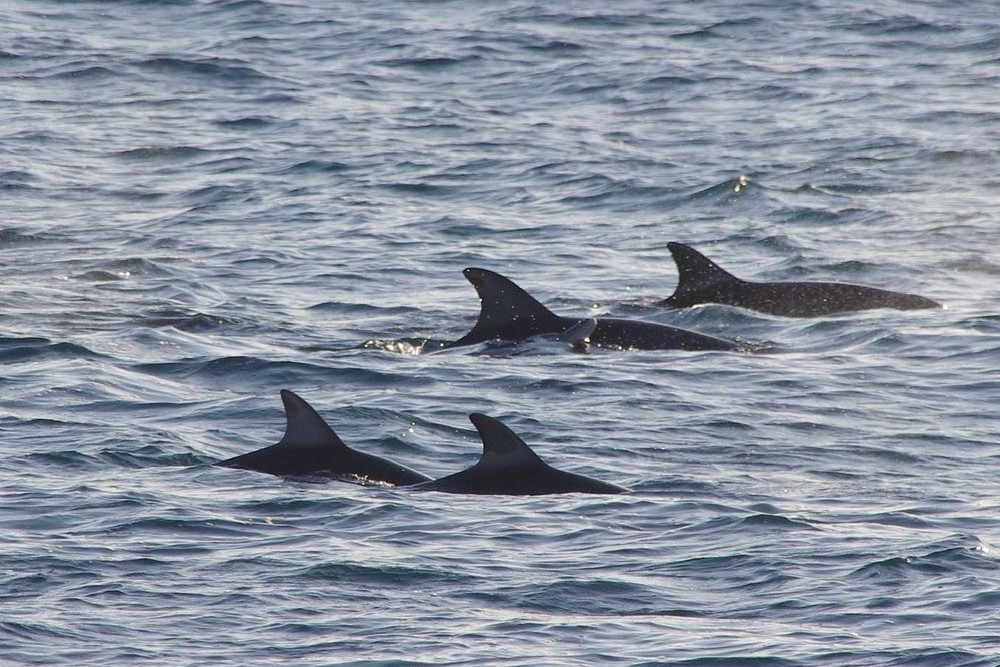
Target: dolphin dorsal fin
{"points": [[304, 427], [695, 268], [698, 276], [505, 309], [579, 333], [577, 337], [502, 444]]}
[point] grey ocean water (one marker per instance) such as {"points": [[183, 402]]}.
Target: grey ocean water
{"points": [[207, 202]]}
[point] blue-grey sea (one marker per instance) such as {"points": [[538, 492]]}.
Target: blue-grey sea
{"points": [[205, 202]]}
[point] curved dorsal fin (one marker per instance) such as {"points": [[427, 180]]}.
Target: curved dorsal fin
{"points": [[500, 444], [506, 310], [698, 276], [304, 427], [694, 267]]}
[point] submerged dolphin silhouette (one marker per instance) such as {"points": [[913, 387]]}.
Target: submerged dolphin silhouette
{"points": [[310, 447], [702, 281], [509, 313], [509, 467]]}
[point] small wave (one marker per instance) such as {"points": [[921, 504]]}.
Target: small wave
{"points": [[669, 82], [554, 46], [99, 276], [744, 661], [777, 521], [975, 156], [33, 632], [151, 456], [959, 555], [426, 189], [428, 63], [721, 29], [161, 153], [246, 123], [895, 567], [217, 194], [15, 179], [591, 190], [257, 372], [392, 575], [598, 596], [185, 321], [122, 269], [76, 69], [63, 459], [218, 69], [12, 236], [14, 350], [972, 264], [361, 309], [229, 366], [905, 24], [316, 167], [172, 526], [144, 457], [847, 188], [985, 602]]}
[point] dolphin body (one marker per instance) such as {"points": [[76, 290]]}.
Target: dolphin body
{"points": [[703, 281], [509, 313], [310, 447], [509, 467]]}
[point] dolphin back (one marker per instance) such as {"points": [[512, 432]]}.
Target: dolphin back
{"points": [[813, 299], [508, 466], [702, 281], [310, 447]]}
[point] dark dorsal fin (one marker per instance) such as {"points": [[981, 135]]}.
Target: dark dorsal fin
{"points": [[509, 467], [305, 428], [698, 277], [506, 311], [500, 444]]}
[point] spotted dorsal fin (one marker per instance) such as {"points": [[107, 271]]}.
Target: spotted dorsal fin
{"points": [[699, 278], [507, 312]]}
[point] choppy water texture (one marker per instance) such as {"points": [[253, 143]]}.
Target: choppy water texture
{"points": [[206, 202]]}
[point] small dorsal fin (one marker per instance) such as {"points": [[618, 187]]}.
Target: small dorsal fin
{"points": [[694, 267], [506, 310], [579, 333], [304, 427], [500, 443], [698, 276]]}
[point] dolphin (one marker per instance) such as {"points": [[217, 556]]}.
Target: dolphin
{"points": [[702, 281], [509, 467], [509, 313], [310, 447]]}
